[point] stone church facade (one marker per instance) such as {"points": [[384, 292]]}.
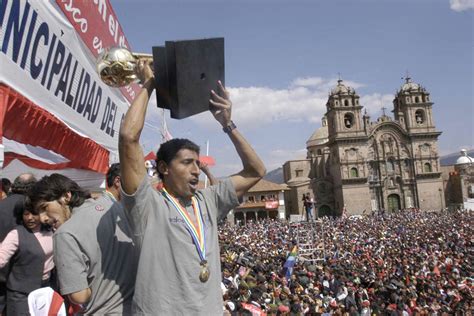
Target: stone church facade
{"points": [[354, 164]]}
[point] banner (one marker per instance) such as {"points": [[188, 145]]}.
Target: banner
{"points": [[97, 25], [271, 205], [42, 58]]}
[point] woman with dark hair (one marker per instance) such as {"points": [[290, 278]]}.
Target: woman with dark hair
{"points": [[5, 188], [28, 249]]}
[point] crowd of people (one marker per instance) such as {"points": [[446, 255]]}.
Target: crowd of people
{"points": [[404, 263]]}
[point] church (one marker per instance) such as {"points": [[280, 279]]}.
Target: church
{"points": [[355, 165]]}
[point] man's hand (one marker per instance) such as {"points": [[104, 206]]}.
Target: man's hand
{"points": [[144, 70], [220, 105], [204, 168]]}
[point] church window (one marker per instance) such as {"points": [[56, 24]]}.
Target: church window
{"points": [[419, 116], [348, 120], [336, 102], [354, 173], [357, 102], [322, 187], [299, 173], [427, 98], [390, 165], [427, 167], [407, 163], [319, 152], [417, 100], [408, 100], [346, 102]]}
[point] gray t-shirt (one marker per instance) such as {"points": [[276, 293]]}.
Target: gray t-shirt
{"points": [[169, 266], [95, 249]]}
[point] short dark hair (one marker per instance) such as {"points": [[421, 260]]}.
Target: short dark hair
{"points": [[23, 183], [112, 173], [169, 149], [6, 184], [53, 187], [19, 213]]}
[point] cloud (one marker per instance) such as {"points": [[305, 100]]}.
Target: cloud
{"points": [[461, 5], [303, 100]]}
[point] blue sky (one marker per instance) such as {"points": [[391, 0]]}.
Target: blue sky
{"points": [[283, 57]]}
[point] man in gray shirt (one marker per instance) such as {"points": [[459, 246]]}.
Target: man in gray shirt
{"points": [[176, 228], [94, 254]]}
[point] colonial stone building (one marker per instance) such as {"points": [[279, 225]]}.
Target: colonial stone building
{"points": [[354, 164]]}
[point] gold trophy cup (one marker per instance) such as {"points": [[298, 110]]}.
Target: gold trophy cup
{"points": [[116, 66]]}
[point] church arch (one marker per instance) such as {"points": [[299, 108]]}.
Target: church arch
{"points": [[348, 120], [420, 116], [427, 167], [324, 210], [393, 202], [354, 172]]}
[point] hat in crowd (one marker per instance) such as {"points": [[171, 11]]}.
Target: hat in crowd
{"points": [[365, 303], [230, 306]]}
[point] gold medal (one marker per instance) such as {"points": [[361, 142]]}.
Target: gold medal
{"points": [[205, 272]]}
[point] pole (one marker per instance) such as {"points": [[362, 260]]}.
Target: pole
{"points": [[207, 154]]}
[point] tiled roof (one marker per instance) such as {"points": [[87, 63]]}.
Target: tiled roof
{"points": [[265, 186]]}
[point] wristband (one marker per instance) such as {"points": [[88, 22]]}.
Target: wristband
{"points": [[231, 126]]}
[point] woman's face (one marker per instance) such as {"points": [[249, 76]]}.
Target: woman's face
{"points": [[30, 220]]}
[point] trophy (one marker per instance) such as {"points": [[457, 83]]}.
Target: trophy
{"points": [[185, 72]]}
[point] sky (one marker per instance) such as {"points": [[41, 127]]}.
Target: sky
{"points": [[283, 57]]}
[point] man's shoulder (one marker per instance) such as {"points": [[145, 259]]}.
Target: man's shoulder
{"points": [[84, 217], [11, 200], [92, 207]]}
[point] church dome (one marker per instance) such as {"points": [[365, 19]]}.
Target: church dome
{"points": [[342, 89], [319, 137], [464, 159]]}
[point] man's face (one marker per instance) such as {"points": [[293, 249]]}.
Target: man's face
{"points": [[181, 175], [54, 213]]}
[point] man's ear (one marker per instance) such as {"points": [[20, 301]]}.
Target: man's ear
{"points": [[117, 182], [162, 167], [66, 198]]}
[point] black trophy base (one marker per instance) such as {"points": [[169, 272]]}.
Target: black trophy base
{"points": [[186, 72]]}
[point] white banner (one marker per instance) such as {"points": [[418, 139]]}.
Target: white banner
{"points": [[42, 57]]}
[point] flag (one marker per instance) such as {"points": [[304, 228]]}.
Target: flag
{"points": [[165, 134], [290, 262]]}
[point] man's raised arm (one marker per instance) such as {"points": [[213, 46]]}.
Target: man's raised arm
{"points": [[254, 169], [131, 155]]}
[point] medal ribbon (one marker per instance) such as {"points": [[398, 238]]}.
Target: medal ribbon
{"points": [[110, 195], [197, 233]]}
